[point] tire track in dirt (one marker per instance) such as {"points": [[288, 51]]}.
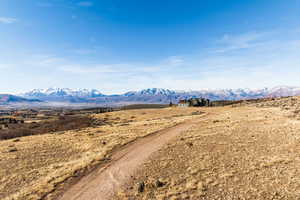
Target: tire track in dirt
{"points": [[104, 182]]}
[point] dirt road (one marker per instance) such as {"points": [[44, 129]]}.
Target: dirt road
{"points": [[104, 182]]}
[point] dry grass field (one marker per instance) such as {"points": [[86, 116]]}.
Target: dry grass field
{"points": [[232, 153], [249, 152], [32, 167]]}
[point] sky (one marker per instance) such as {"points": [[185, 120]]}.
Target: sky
{"points": [[116, 46]]}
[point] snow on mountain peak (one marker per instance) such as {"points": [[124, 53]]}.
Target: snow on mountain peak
{"points": [[55, 92], [158, 95]]}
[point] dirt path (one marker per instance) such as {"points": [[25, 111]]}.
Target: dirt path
{"points": [[104, 182]]}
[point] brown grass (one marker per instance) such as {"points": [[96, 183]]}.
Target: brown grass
{"points": [[32, 167], [236, 153]]}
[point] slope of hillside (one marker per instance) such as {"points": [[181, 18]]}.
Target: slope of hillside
{"points": [[248, 152], [33, 166], [238, 153]]}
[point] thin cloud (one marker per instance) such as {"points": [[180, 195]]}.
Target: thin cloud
{"points": [[2, 66], [43, 60], [85, 3], [7, 20], [75, 67], [84, 51], [174, 61], [267, 62], [239, 42], [44, 4], [78, 69], [50, 61], [124, 69]]}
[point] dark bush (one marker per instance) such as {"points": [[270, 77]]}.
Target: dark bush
{"points": [[62, 124]]}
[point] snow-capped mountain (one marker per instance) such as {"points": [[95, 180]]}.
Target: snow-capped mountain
{"points": [[63, 94], [284, 91], [151, 92], [154, 95], [58, 92], [226, 94]]}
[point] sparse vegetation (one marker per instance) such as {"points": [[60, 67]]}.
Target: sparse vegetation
{"points": [[33, 167], [236, 153], [244, 152], [62, 124], [144, 106]]}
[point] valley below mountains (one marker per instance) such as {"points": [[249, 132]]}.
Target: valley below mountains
{"points": [[60, 97]]}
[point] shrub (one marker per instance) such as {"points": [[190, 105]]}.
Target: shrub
{"points": [[62, 124]]}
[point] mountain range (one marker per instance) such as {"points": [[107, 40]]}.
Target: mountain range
{"points": [[8, 98], [153, 95]]}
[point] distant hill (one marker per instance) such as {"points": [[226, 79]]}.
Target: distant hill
{"points": [[7, 98], [153, 95]]}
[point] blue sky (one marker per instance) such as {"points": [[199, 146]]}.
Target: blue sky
{"points": [[117, 45]]}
